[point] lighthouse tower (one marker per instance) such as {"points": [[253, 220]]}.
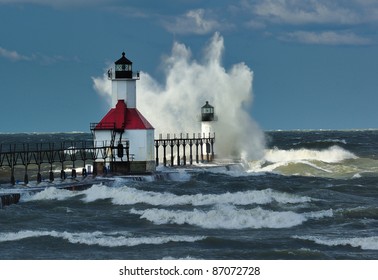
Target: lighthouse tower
{"points": [[124, 83], [207, 120], [124, 133]]}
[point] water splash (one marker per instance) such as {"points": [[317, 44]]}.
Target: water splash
{"points": [[174, 107]]}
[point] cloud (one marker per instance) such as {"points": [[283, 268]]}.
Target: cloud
{"points": [[58, 3], [325, 22], [174, 106], [326, 38], [299, 12], [254, 24], [12, 55], [37, 57], [193, 22], [304, 12]]}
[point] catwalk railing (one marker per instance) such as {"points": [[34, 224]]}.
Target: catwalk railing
{"points": [[24, 159], [39, 155], [203, 146]]}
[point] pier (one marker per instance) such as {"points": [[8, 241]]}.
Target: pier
{"points": [[21, 163], [35, 161], [42, 157]]}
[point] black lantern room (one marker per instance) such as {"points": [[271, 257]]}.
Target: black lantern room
{"points": [[123, 68], [207, 112]]}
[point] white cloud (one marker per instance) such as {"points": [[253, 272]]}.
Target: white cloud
{"points": [[339, 22], [369, 9], [299, 12], [57, 3], [12, 55], [304, 12], [255, 24], [37, 57], [193, 22], [326, 38]]}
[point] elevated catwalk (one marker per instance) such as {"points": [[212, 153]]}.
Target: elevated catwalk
{"points": [[25, 162]]}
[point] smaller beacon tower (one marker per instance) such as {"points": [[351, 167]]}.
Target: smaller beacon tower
{"points": [[208, 119], [124, 133]]}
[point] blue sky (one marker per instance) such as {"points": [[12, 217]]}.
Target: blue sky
{"points": [[314, 63]]}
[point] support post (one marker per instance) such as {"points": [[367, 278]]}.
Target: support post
{"points": [[201, 144], [190, 152], [197, 157], [165, 154], [157, 152], [39, 176], [212, 148], [178, 152], [172, 157]]}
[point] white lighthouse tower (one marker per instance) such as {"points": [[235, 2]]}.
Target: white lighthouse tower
{"points": [[126, 136], [208, 119], [124, 83]]}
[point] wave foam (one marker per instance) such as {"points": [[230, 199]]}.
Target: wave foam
{"points": [[129, 196], [333, 154], [229, 217], [50, 193], [328, 162], [365, 243], [112, 239]]}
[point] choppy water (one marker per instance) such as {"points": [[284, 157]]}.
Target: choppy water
{"points": [[313, 196]]}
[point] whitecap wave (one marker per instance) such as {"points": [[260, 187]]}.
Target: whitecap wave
{"points": [[49, 193], [365, 243], [331, 155], [111, 239], [124, 195], [230, 169], [330, 162], [169, 258], [129, 196], [324, 141], [229, 217]]}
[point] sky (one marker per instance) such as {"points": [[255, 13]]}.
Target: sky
{"points": [[290, 64]]}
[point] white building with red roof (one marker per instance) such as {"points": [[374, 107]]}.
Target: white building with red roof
{"points": [[127, 136]]}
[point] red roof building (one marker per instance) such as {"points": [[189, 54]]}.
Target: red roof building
{"points": [[122, 118]]}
